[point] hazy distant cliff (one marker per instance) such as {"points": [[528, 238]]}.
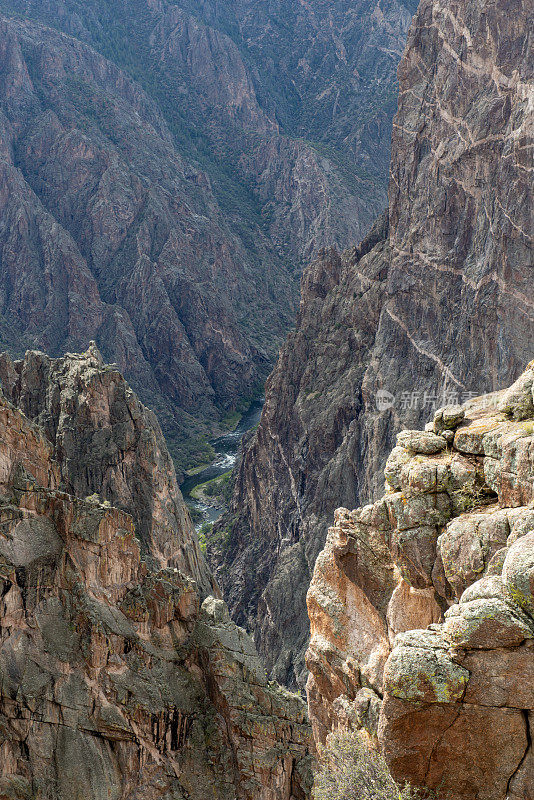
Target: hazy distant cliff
{"points": [[436, 303], [166, 169]]}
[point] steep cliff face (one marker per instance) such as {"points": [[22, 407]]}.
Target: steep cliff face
{"points": [[107, 233], [108, 444], [421, 605], [160, 188], [298, 99], [114, 681], [439, 309]]}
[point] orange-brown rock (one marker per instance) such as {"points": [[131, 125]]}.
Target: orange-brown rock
{"points": [[115, 682], [108, 444], [425, 634]]}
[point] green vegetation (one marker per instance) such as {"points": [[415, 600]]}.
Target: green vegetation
{"points": [[470, 497], [216, 534], [231, 420], [195, 514], [190, 454], [217, 489], [203, 536], [350, 770]]}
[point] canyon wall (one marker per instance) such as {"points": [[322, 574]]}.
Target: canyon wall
{"points": [[434, 306], [421, 605], [116, 680], [166, 170], [108, 444]]}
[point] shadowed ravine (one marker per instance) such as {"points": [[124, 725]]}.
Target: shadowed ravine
{"points": [[226, 448]]}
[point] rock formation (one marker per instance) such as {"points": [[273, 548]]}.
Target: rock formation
{"points": [[160, 191], [434, 306], [107, 233], [108, 444], [422, 611], [115, 682]]}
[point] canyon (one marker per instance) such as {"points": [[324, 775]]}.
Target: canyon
{"points": [[118, 677], [167, 169], [434, 306]]}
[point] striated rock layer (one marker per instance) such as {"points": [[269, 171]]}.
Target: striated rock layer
{"points": [[166, 169], [435, 305], [422, 607], [115, 682], [108, 444]]}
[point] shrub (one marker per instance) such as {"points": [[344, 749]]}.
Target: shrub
{"points": [[350, 770]]}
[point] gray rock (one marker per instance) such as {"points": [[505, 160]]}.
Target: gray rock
{"points": [[518, 572], [421, 442]]}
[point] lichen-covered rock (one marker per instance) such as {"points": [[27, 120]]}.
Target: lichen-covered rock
{"points": [[518, 401], [445, 563], [108, 444], [114, 681], [468, 544], [487, 623], [421, 671], [448, 418], [518, 572], [468, 751], [423, 442]]}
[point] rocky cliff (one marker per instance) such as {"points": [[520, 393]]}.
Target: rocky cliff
{"points": [[107, 233], [166, 169], [421, 605], [108, 444], [115, 682], [434, 306]]}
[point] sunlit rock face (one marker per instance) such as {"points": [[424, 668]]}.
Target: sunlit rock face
{"points": [[421, 609], [108, 444], [116, 680], [436, 305]]}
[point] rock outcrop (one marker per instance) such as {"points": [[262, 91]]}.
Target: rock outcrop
{"points": [[108, 444], [435, 306], [421, 605], [115, 682], [160, 189]]}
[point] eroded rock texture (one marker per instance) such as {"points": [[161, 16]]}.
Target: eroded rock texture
{"points": [[109, 445], [421, 606], [114, 681], [108, 233], [160, 191], [436, 303]]}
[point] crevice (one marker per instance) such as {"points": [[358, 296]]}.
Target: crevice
{"points": [[525, 754], [438, 742]]}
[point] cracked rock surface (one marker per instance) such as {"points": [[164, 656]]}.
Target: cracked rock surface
{"points": [[424, 603], [108, 445], [116, 681]]}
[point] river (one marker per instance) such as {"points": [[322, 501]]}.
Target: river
{"points": [[227, 448]]}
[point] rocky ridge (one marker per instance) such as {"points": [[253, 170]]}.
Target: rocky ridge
{"points": [[115, 681], [108, 445], [168, 167], [434, 306], [421, 605]]}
